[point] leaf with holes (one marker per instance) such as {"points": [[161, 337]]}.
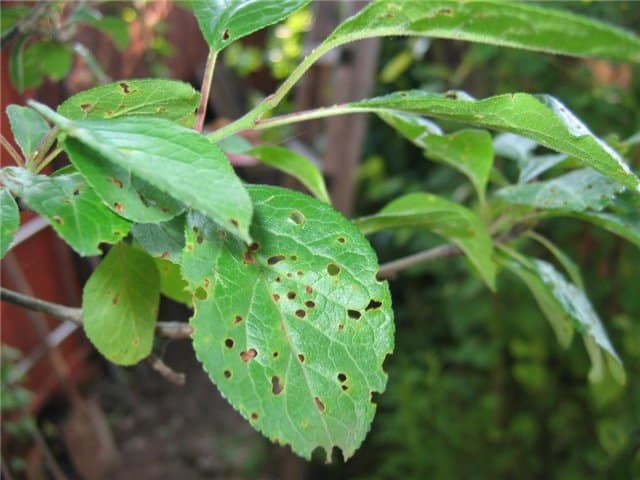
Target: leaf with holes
{"points": [[120, 305], [509, 24], [294, 164], [170, 99], [444, 217], [9, 220], [74, 211], [176, 161], [568, 309], [576, 191], [542, 118], [28, 127], [163, 240], [222, 22], [293, 328]]}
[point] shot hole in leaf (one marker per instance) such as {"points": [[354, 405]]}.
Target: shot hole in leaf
{"points": [[276, 386], [228, 343], [310, 303], [301, 313], [342, 377], [355, 314], [226, 34], [248, 355], [297, 217], [333, 269], [291, 295], [227, 374], [118, 207], [275, 259], [125, 87], [275, 354], [373, 304]]}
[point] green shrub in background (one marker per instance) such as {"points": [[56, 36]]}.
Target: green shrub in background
{"points": [[290, 318]]}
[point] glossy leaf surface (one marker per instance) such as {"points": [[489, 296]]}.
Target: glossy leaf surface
{"points": [[294, 164], [74, 211], [543, 119], [294, 328], [28, 127], [9, 220], [170, 99], [120, 305], [444, 217], [222, 22]]}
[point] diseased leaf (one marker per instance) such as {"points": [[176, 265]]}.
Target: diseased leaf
{"points": [[541, 118], [9, 220], [120, 305], [74, 211], [28, 127], [563, 300], [172, 285], [521, 149], [293, 328], [444, 217], [294, 164], [176, 161], [576, 191], [170, 99], [509, 24], [222, 22], [164, 240]]}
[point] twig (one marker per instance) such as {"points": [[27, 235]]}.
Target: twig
{"points": [[12, 151], [205, 89], [177, 378], [173, 330]]}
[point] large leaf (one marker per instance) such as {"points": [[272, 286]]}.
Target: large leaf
{"points": [[222, 22], [444, 217], [296, 165], [9, 220], [563, 301], [299, 351], [28, 127], [576, 191], [541, 118], [120, 305], [163, 240], [74, 211], [170, 99], [509, 24], [175, 160]]}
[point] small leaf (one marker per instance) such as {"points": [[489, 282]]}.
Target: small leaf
{"points": [[543, 119], [163, 240], [294, 164], [30, 64], [170, 99], [176, 161], [293, 328], [120, 305], [509, 24], [74, 211], [9, 220], [222, 22], [172, 285], [446, 218], [566, 306], [576, 191], [28, 127]]}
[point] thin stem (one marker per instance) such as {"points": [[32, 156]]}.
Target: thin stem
{"points": [[48, 159], [12, 151], [91, 62], [312, 114], [207, 81], [177, 378], [174, 330], [42, 148]]}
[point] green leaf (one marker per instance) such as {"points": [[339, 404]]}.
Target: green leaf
{"points": [[172, 285], [175, 160], [9, 219], [30, 64], [28, 127], [576, 191], [563, 259], [627, 227], [294, 164], [413, 127], [222, 22], [74, 211], [567, 308], [444, 217], [509, 24], [300, 352], [120, 305], [164, 240], [10, 16], [116, 28], [541, 118], [521, 149], [170, 99]]}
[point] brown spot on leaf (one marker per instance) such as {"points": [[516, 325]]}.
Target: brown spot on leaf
{"points": [[342, 377], [58, 219], [373, 304], [234, 222], [333, 269], [118, 207], [345, 388], [115, 181], [275, 354], [115, 299], [254, 247], [301, 313], [125, 87], [340, 327], [227, 374], [201, 293], [294, 258], [86, 107], [248, 257], [226, 34], [310, 303], [275, 259], [276, 386], [301, 357], [237, 319], [254, 416], [341, 240], [164, 254], [291, 295], [248, 355], [319, 404], [228, 343], [276, 297], [308, 289], [355, 314]]}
